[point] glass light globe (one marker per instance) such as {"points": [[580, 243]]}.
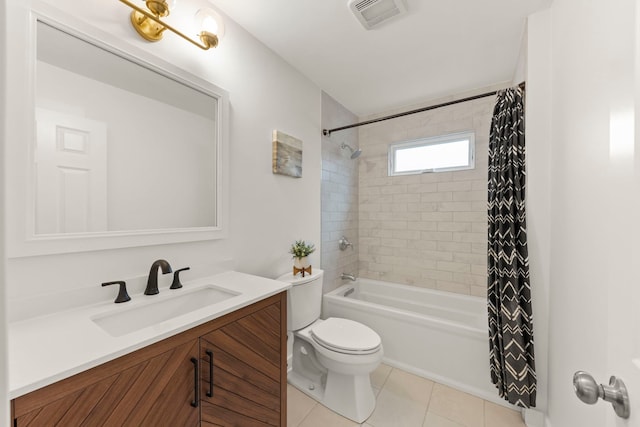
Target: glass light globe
{"points": [[209, 24], [209, 21]]}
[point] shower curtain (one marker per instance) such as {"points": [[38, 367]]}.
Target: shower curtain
{"points": [[509, 293]]}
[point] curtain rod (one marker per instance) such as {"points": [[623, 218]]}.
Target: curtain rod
{"points": [[327, 132]]}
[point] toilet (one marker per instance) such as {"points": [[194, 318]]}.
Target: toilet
{"points": [[331, 359]]}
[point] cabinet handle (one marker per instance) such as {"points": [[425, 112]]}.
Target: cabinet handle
{"points": [[210, 354], [196, 376]]}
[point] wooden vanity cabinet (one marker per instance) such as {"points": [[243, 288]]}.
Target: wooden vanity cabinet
{"points": [[157, 385], [142, 388], [241, 371]]}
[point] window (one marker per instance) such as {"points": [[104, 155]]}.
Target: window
{"points": [[438, 154]]}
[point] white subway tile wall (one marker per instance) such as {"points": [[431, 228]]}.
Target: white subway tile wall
{"points": [[426, 230], [339, 195]]}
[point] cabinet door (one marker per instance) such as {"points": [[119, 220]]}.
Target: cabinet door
{"points": [[247, 360], [158, 391]]}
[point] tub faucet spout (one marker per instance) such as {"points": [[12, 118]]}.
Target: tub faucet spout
{"points": [[346, 276]]}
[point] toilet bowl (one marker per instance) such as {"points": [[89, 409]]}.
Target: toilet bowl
{"points": [[331, 359], [347, 388]]}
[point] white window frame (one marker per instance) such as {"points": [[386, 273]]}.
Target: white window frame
{"points": [[436, 140]]}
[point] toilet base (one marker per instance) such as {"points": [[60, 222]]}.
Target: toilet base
{"points": [[313, 389], [350, 395]]}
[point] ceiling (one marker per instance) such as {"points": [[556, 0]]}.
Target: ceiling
{"points": [[439, 48]]}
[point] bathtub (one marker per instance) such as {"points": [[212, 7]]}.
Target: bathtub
{"points": [[438, 335]]}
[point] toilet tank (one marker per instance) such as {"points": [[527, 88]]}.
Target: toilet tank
{"points": [[304, 299]]}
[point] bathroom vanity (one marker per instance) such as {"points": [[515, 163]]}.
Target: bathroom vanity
{"points": [[227, 368], [156, 136]]}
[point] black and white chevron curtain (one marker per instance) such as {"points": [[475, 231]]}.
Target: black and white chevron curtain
{"points": [[509, 292]]}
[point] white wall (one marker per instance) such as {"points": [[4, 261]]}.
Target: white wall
{"points": [[538, 133], [268, 212], [520, 73], [339, 194], [4, 406]]}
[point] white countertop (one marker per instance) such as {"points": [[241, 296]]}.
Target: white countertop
{"points": [[47, 349]]}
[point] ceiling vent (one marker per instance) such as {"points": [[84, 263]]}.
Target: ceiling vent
{"points": [[372, 13]]}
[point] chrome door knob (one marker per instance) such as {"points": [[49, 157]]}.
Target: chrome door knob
{"points": [[586, 388], [589, 391]]}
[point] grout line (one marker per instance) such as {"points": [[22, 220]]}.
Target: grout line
{"points": [[385, 379], [428, 404], [307, 415]]}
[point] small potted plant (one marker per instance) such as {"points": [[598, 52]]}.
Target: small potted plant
{"points": [[300, 251]]}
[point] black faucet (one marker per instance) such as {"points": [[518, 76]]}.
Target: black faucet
{"points": [[152, 281]]}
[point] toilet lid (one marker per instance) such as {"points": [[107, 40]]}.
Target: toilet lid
{"points": [[345, 335]]}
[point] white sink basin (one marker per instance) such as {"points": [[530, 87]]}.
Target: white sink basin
{"points": [[121, 322]]}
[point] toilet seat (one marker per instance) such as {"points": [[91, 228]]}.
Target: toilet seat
{"points": [[345, 336]]}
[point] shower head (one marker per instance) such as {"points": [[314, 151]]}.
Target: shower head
{"points": [[354, 153]]}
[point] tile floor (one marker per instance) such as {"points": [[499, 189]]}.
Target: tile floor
{"points": [[406, 400]]}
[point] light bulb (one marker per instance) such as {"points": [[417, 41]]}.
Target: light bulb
{"points": [[210, 22]]}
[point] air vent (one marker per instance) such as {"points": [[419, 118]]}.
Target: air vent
{"points": [[372, 13]]}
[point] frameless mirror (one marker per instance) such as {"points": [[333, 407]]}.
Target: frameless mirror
{"points": [[120, 146]]}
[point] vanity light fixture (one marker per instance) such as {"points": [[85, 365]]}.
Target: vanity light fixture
{"points": [[149, 25]]}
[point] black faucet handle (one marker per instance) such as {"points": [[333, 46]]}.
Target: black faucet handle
{"points": [[176, 278], [123, 296]]}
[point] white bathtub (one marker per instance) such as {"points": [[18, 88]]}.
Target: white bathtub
{"points": [[438, 335]]}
